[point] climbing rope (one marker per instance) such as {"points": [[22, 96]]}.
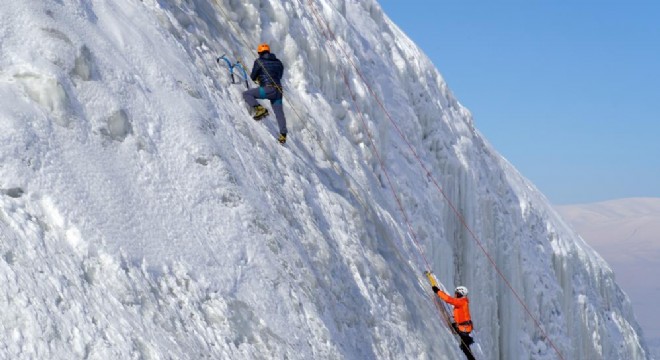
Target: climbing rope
{"points": [[333, 40], [441, 307], [294, 108]]}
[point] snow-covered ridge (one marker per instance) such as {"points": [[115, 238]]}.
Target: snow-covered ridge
{"points": [[625, 232], [145, 215]]}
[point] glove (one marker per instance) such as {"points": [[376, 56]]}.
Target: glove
{"points": [[435, 289]]}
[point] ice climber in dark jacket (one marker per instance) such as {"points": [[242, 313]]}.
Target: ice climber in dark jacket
{"points": [[267, 71]]}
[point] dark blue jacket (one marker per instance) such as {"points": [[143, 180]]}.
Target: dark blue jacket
{"points": [[267, 69]]}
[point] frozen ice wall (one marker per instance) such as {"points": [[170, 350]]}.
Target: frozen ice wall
{"points": [[144, 214]]}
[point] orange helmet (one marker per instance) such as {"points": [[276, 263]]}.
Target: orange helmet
{"points": [[263, 47]]}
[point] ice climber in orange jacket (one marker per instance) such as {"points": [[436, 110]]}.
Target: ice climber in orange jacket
{"points": [[462, 320]]}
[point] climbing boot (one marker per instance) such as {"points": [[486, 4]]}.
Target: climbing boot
{"points": [[282, 139], [259, 112]]}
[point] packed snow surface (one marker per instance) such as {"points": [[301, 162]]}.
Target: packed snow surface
{"points": [[145, 215]]}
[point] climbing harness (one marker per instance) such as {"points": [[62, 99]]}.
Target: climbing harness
{"points": [[445, 312]]}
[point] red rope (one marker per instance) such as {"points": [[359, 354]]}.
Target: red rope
{"points": [[443, 311], [429, 174]]}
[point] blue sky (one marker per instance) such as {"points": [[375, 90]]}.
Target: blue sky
{"points": [[568, 92]]}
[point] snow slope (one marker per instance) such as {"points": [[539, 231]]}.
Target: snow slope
{"points": [[625, 232], [145, 215]]}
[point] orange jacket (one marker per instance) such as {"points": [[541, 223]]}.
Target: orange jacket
{"points": [[461, 311]]}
